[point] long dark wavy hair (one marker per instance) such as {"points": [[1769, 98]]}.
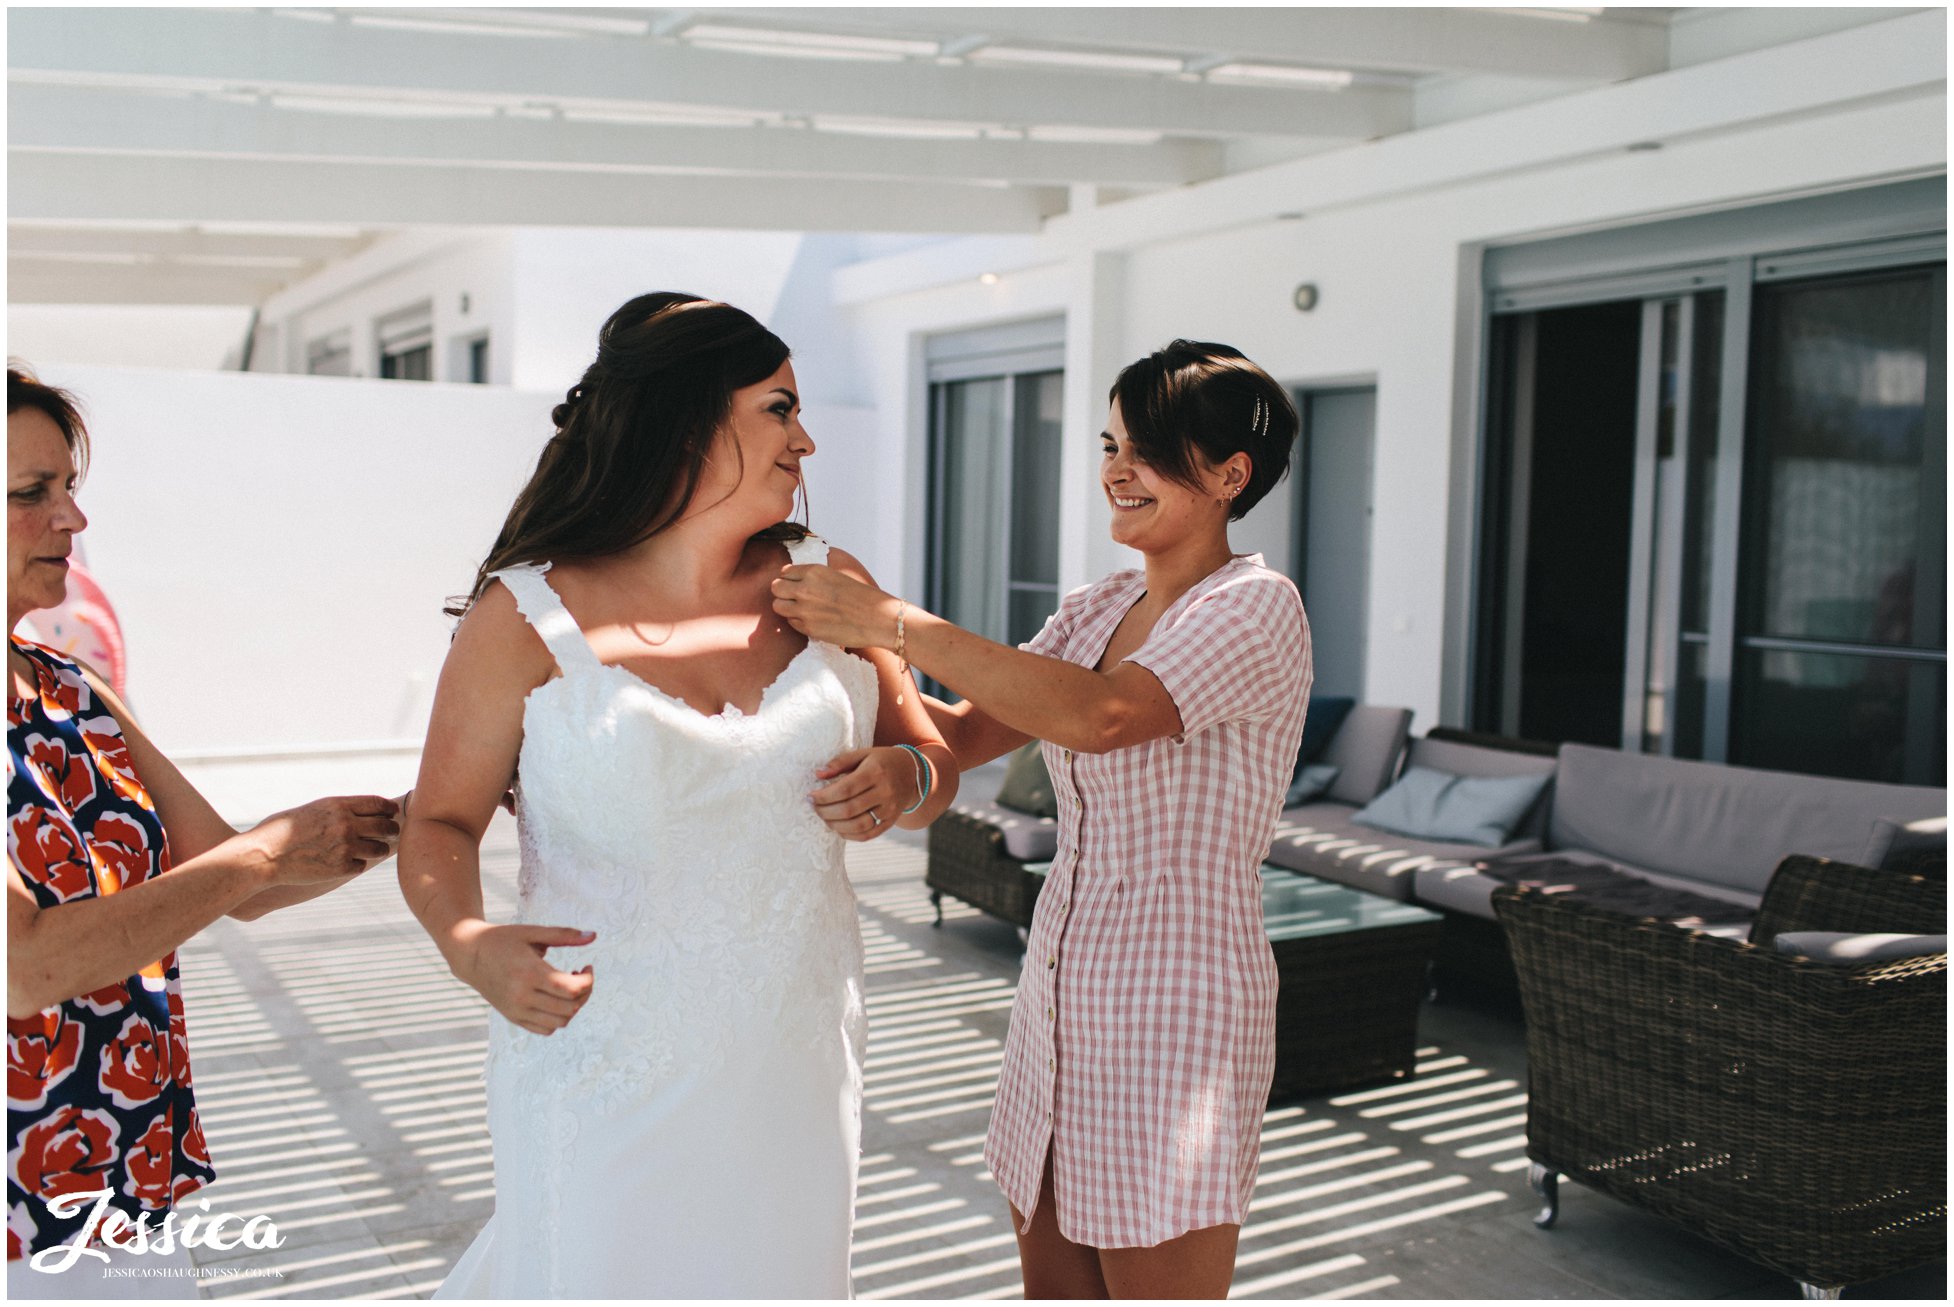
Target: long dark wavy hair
{"points": [[632, 437]]}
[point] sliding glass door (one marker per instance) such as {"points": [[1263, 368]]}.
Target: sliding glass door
{"points": [[1714, 515]]}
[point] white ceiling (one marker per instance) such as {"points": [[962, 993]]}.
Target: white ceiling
{"points": [[216, 155]]}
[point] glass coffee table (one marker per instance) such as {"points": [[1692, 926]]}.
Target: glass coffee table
{"points": [[1353, 969]]}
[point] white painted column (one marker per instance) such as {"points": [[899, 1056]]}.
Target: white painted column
{"points": [[1095, 351]]}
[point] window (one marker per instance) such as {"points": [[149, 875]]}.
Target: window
{"points": [[406, 343], [330, 356], [995, 404]]}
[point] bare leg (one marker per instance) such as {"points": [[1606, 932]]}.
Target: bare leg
{"points": [[1054, 1266], [1199, 1264]]}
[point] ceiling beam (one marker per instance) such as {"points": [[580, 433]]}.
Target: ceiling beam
{"points": [[260, 49], [1384, 39], [30, 282], [129, 187], [78, 118], [178, 243]]}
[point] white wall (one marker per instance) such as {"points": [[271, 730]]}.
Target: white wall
{"points": [[568, 282], [1397, 279], [279, 548], [126, 335]]}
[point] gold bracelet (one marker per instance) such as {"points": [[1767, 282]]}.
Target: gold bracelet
{"points": [[902, 649]]}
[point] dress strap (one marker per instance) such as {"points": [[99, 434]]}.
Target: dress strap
{"points": [[538, 602], [810, 549]]}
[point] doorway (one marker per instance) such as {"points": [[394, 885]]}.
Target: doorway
{"points": [[1331, 530]]}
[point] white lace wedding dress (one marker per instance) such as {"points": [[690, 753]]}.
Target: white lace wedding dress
{"points": [[695, 1131]]}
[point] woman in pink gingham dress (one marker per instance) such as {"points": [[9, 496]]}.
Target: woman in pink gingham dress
{"points": [[1171, 702]]}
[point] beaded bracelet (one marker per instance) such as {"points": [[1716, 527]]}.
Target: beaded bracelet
{"points": [[925, 777]]}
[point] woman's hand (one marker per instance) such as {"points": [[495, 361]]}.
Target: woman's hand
{"points": [[866, 792], [327, 839], [506, 966], [824, 604]]}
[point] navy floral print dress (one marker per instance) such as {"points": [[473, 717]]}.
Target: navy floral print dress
{"points": [[98, 1087]]}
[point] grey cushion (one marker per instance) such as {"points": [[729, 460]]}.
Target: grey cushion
{"points": [[1027, 838], [1366, 747], [1464, 888], [1848, 950], [1476, 760], [1027, 785], [1319, 839], [1728, 826], [1893, 840], [1311, 783], [1435, 805]]}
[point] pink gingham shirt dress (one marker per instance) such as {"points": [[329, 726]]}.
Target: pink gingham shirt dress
{"points": [[1142, 1042]]}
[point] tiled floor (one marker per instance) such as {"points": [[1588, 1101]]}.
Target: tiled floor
{"points": [[338, 1065]]}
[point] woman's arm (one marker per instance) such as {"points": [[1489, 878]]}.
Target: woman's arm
{"points": [[61, 952], [885, 778], [195, 828], [1044, 698], [473, 741], [973, 735]]}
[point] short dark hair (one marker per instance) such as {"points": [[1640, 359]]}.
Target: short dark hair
{"points": [[1195, 394], [24, 391]]}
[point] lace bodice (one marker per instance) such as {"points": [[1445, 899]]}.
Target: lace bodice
{"points": [[687, 843]]}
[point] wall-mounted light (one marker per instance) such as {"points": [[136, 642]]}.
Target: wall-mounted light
{"points": [[1305, 297]]}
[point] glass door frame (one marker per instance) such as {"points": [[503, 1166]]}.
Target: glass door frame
{"points": [[1736, 276]]}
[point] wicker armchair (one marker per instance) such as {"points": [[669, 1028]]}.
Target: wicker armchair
{"points": [[1792, 1111], [967, 859]]}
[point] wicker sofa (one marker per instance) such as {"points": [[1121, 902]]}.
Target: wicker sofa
{"points": [[1793, 1111]]}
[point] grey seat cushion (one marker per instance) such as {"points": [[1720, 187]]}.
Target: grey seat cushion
{"points": [[1319, 839], [1366, 749], [1841, 948], [1462, 887], [1027, 838], [1717, 824]]}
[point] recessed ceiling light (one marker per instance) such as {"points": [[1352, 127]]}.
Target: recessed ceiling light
{"points": [[1125, 63], [1328, 79], [816, 44], [988, 278]]}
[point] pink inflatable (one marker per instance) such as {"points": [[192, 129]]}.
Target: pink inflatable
{"points": [[83, 626]]}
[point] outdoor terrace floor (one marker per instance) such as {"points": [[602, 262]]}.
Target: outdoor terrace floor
{"points": [[338, 1066]]}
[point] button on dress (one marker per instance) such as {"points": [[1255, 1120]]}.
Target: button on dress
{"points": [[1142, 1041]]}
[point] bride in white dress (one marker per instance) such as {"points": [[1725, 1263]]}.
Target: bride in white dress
{"points": [[674, 1069]]}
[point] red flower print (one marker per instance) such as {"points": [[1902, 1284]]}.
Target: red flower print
{"points": [[41, 1052], [67, 777], [119, 848], [195, 1147], [135, 1066], [48, 852], [179, 1040], [106, 1001], [65, 1153], [111, 752], [149, 1165], [63, 691]]}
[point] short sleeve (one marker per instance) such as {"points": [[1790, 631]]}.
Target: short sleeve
{"points": [[1052, 639], [1241, 651]]}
